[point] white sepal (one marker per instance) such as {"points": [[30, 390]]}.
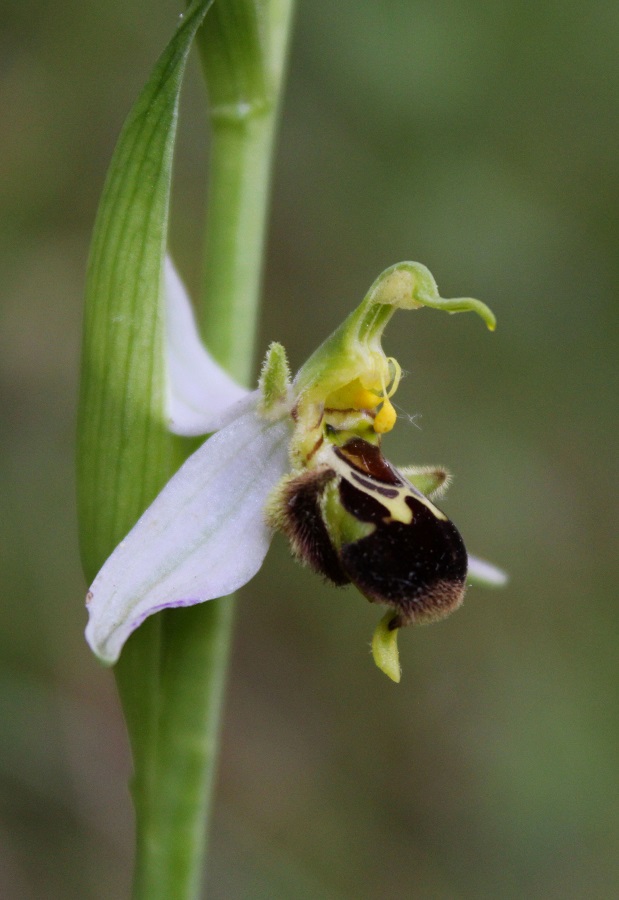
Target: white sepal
{"points": [[485, 573], [203, 537], [198, 389]]}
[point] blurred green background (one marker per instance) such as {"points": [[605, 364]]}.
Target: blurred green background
{"points": [[481, 139]]}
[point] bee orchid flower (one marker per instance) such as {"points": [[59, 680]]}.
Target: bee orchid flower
{"points": [[302, 456]]}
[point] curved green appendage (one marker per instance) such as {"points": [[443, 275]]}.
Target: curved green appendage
{"points": [[354, 350], [410, 285], [385, 648]]}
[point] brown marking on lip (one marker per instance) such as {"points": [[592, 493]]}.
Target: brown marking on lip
{"points": [[367, 459], [384, 491]]}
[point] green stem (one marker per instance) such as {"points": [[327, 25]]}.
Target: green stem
{"points": [[238, 196], [245, 93], [172, 672], [184, 652]]}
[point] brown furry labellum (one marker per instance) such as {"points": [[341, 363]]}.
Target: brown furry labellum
{"points": [[355, 518]]}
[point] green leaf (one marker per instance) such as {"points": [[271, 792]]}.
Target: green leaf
{"points": [[125, 453]]}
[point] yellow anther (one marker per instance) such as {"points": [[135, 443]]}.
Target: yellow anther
{"points": [[385, 418], [353, 396], [356, 395], [364, 399]]}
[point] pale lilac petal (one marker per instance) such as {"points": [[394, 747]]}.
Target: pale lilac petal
{"points": [[199, 390], [485, 573], [250, 402], [203, 537]]}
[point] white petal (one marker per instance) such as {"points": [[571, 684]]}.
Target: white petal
{"points": [[198, 388], [227, 415], [203, 537], [484, 573]]}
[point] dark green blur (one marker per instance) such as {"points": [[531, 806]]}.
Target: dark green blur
{"points": [[480, 139]]}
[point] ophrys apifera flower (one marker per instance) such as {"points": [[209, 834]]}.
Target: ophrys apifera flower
{"points": [[303, 456]]}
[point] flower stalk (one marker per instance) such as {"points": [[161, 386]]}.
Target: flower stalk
{"points": [[172, 670]]}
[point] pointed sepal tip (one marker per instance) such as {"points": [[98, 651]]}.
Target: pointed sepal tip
{"points": [[385, 648]]}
